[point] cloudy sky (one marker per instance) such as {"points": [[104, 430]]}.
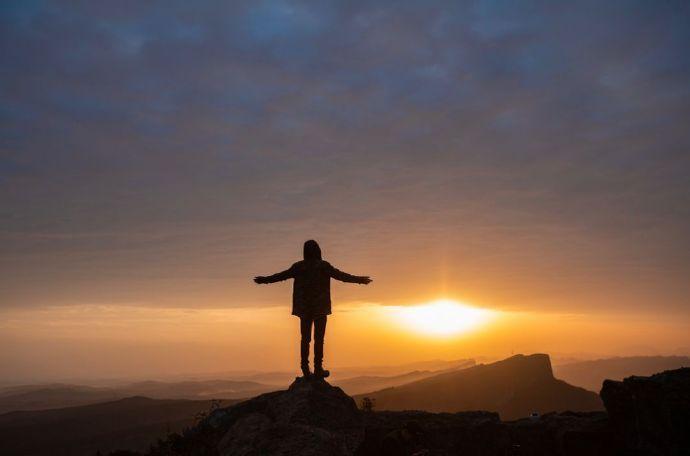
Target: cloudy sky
{"points": [[519, 156]]}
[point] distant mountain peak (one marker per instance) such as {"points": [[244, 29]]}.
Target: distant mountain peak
{"points": [[514, 387], [537, 365]]}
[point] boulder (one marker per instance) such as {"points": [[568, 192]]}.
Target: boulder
{"points": [[651, 415], [310, 418]]}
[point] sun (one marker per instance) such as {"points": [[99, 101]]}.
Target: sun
{"points": [[441, 318]]}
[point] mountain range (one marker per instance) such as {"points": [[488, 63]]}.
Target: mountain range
{"points": [[352, 380], [81, 419], [133, 424], [57, 395], [591, 374]]}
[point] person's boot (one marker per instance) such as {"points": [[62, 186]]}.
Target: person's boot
{"points": [[319, 371], [304, 356]]}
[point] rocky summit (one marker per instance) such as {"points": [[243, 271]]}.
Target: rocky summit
{"points": [[646, 416], [310, 418]]}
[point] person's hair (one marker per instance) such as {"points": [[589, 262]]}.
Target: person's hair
{"points": [[312, 251]]}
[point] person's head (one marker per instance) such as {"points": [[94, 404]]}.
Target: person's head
{"points": [[312, 251]]}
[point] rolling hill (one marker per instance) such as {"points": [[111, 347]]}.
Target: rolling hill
{"points": [[364, 383], [132, 423], [57, 395]]}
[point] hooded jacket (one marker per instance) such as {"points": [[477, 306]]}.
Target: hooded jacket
{"points": [[311, 292]]}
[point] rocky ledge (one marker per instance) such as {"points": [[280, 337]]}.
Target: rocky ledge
{"points": [[650, 415], [646, 416]]}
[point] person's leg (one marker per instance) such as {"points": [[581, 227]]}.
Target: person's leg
{"points": [[319, 333], [305, 330]]}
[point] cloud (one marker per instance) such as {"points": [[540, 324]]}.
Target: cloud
{"points": [[145, 145]]}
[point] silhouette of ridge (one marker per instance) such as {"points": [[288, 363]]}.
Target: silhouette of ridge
{"points": [[312, 417], [646, 416], [132, 422], [514, 388]]}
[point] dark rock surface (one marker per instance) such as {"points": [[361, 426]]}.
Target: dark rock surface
{"points": [[651, 415], [482, 433], [310, 418], [648, 416]]}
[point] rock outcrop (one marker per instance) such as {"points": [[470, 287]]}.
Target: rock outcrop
{"points": [[651, 415], [314, 418], [310, 418]]}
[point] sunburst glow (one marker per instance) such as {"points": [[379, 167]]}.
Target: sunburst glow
{"points": [[442, 318]]}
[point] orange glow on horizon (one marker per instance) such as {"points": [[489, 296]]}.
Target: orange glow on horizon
{"points": [[111, 341]]}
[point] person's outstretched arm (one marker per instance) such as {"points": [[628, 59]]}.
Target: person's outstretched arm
{"points": [[345, 277], [286, 274]]}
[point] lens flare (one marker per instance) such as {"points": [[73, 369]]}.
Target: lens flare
{"points": [[441, 318]]}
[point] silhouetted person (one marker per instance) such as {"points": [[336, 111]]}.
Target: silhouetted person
{"points": [[311, 299]]}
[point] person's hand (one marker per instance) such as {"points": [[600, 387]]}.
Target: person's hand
{"points": [[260, 279], [366, 280]]}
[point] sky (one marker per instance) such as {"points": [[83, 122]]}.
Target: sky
{"points": [[528, 158]]}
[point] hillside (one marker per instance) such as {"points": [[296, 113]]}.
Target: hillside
{"points": [[42, 397], [50, 396], [646, 417], [514, 388], [364, 383], [207, 389], [353, 380], [591, 374], [435, 365], [133, 423], [313, 418]]}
